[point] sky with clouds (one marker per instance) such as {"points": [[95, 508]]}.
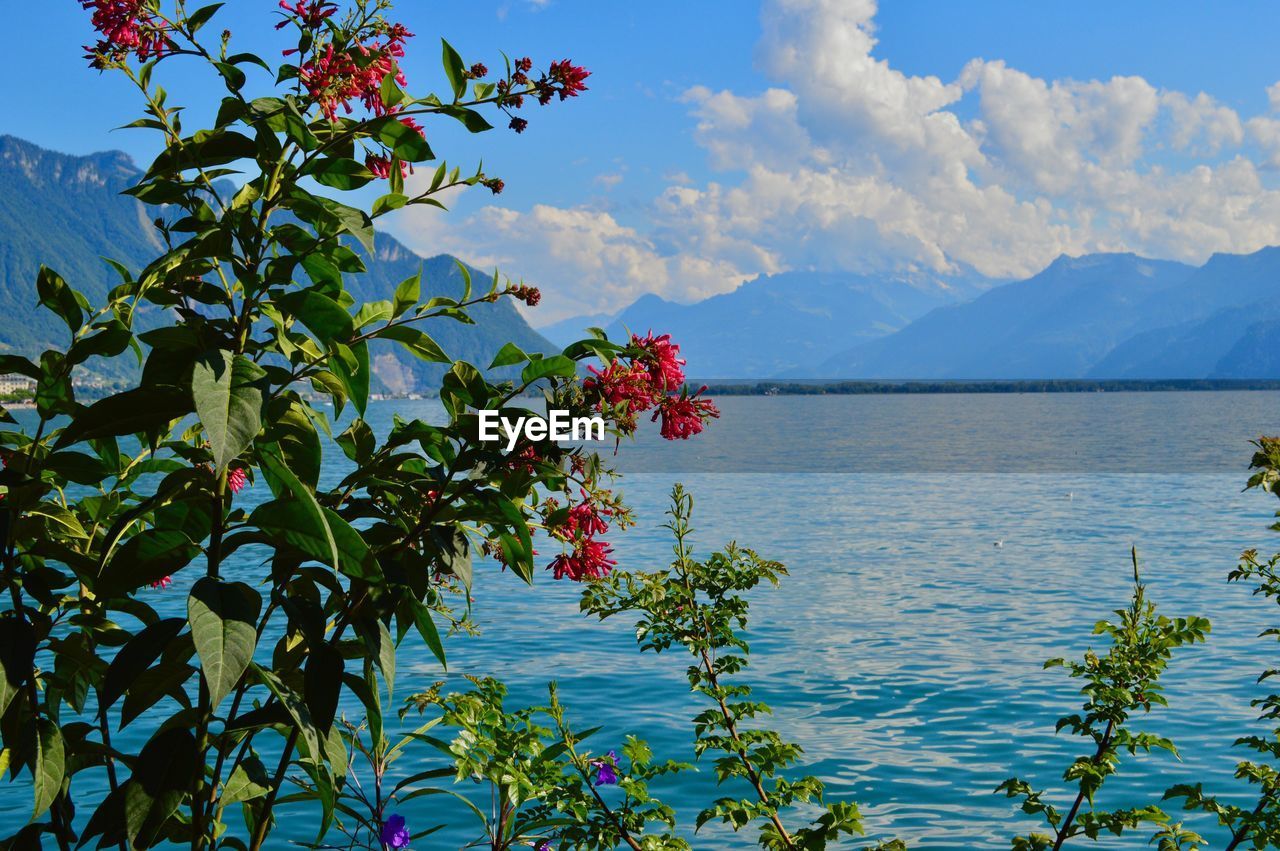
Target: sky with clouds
{"points": [[725, 139]]}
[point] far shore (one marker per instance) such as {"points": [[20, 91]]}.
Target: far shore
{"points": [[895, 387]]}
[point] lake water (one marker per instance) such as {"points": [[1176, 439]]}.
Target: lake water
{"points": [[904, 652]]}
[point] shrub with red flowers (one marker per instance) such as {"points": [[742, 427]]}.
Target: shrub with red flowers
{"points": [[256, 348]]}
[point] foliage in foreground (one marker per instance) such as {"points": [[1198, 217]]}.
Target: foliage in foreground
{"points": [[300, 599]]}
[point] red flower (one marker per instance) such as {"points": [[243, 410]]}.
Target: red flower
{"points": [[518, 125], [585, 520], [162, 584], [310, 13], [529, 295], [684, 416], [126, 26], [494, 185], [564, 79], [237, 480], [477, 71], [620, 383], [666, 367], [381, 166], [333, 79], [525, 460], [589, 560]]}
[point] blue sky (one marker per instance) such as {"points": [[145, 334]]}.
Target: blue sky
{"points": [[724, 139]]}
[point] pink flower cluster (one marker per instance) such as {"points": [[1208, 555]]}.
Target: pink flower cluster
{"points": [[336, 79], [589, 558], [563, 80], [648, 381], [126, 27], [310, 13]]}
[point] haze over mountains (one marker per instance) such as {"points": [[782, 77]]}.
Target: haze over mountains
{"points": [[67, 212], [1096, 316], [781, 323]]}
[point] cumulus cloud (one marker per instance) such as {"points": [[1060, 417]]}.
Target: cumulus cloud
{"points": [[844, 161]]}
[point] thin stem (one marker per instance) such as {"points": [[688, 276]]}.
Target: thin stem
{"points": [[1063, 832], [680, 527], [1242, 833]]}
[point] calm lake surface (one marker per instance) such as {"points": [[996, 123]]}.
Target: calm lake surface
{"points": [[904, 652]]}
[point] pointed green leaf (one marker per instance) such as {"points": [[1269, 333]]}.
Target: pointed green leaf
{"points": [[227, 390], [223, 618], [50, 767]]}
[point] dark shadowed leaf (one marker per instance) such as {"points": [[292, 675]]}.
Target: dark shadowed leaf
{"points": [[223, 618], [227, 390]]}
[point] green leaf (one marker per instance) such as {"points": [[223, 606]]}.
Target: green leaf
{"points": [[17, 657], [555, 365], [11, 364], [203, 151], [50, 766], [507, 355], [454, 69], [392, 94], [234, 77], [165, 771], [223, 618], [295, 435], [325, 318], [143, 409], [60, 298], [340, 173], [247, 782], [322, 684], [389, 202], [296, 525], [201, 16], [418, 342], [147, 557], [297, 709], [381, 649], [408, 294], [427, 629], [405, 142], [472, 120], [136, 656], [227, 390], [351, 365]]}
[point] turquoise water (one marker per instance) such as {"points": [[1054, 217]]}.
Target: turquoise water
{"points": [[904, 652]]}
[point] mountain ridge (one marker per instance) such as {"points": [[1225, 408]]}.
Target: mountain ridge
{"points": [[43, 198]]}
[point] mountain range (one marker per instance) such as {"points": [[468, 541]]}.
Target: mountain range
{"points": [[779, 324], [1094, 316], [67, 212]]}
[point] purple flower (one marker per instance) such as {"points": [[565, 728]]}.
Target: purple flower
{"points": [[607, 769], [544, 845], [394, 833]]}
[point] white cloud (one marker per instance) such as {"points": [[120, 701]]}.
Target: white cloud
{"points": [[609, 180], [847, 162], [584, 259]]}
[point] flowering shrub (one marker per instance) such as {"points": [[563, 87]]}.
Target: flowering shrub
{"points": [[105, 506]]}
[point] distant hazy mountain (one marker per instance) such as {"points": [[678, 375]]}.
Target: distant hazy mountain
{"points": [[788, 322], [67, 212], [1212, 325], [574, 328], [1058, 324]]}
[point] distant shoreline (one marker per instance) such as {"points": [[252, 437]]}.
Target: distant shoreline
{"points": [[752, 387]]}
